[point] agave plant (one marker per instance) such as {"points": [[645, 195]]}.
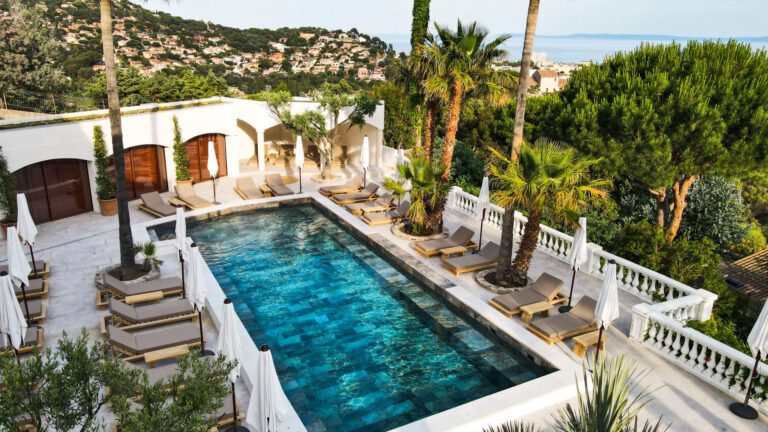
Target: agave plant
{"points": [[610, 402], [422, 179]]}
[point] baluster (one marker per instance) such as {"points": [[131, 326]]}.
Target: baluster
{"points": [[731, 373], [685, 347], [644, 286], [676, 345], [692, 354], [651, 289], [635, 281], [702, 360], [659, 344], [719, 369], [712, 363], [652, 333], [668, 341]]}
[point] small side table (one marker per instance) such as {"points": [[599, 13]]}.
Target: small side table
{"points": [[453, 251], [530, 310], [583, 342]]}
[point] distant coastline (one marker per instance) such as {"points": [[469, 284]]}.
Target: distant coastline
{"points": [[580, 47]]}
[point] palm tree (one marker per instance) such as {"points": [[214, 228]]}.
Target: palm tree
{"points": [[522, 85], [428, 194], [547, 177], [466, 71], [427, 62], [127, 263]]}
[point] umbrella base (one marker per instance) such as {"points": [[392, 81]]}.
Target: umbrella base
{"points": [[743, 411], [207, 353], [564, 309]]}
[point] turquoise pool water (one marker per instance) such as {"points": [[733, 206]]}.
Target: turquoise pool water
{"points": [[358, 345]]}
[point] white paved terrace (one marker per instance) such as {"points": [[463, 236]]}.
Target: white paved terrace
{"points": [[79, 246]]}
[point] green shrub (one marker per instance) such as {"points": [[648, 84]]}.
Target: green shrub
{"points": [[180, 153], [105, 185], [722, 331], [753, 241], [716, 211], [7, 190], [467, 167], [754, 190]]}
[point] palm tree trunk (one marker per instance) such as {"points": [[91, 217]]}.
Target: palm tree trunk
{"points": [[522, 85], [680, 188], [504, 265], [127, 262], [527, 245], [429, 127], [451, 127]]}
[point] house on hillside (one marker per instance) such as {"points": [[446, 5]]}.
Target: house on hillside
{"points": [[547, 79], [749, 276]]}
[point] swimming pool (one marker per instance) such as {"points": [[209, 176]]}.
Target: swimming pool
{"points": [[357, 344]]}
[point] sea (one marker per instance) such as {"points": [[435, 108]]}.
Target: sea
{"points": [[579, 47]]}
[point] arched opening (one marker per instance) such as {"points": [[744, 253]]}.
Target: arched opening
{"points": [[55, 189], [197, 152], [144, 170]]}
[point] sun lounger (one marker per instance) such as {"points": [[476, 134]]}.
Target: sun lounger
{"points": [[135, 345], [247, 190], [485, 259], [33, 339], [461, 237], [130, 317], [37, 310], [186, 194], [226, 415], [43, 269], [579, 320], [387, 217], [275, 184], [36, 288], [158, 373], [352, 186], [368, 193], [380, 204], [545, 289], [164, 286], [153, 204]]}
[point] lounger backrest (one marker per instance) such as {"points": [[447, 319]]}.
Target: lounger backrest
{"points": [[462, 235], [386, 198], [490, 251], [585, 309], [402, 209], [547, 285], [151, 199], [184, 190], [370, 189], [355, 182], [273, 179], [121, 338], [122, 310], [245, 183], [113, 282]]}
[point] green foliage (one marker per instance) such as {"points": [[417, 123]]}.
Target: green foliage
{"points": [[105, 185], [7, 190], [467, 167], [148, 251], [722, 331], [428, 194], [602, 227], [715, 211], [29, 51], [754, 189], [610, 402], [62, 389], [753, 241], [180, 158], [512, 426], [197, 390], [400, 118], [420, 22]]}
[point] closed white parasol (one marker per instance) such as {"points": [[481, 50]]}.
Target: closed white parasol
{"points": [[365, 158], [213, 167], [299, 157], [577, 257], [607, 309], [26, 225], [231, 349], [268, 405], [12, 322]]}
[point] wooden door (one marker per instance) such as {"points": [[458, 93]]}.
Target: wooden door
{"points": [[55, 189], [197, 153]]}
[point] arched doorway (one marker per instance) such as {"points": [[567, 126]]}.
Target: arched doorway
{"points": [[144, 170], [55, 189], [197, 152]]}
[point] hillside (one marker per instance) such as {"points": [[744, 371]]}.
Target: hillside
{"points": [[248, 59]]}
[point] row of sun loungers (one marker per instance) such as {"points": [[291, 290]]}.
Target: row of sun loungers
{"points": [[35, 293]]}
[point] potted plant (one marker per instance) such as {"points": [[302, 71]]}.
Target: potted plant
{"points": [[180, 155], [7, 195], [105, 186], [147, 250]]}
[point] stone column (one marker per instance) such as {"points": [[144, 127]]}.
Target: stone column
{"points": [[640, 314], [704, 310], [260, 149], [233, 157]]}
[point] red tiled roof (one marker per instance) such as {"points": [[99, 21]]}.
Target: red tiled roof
{"points": [[749, 275], [547, 73]]}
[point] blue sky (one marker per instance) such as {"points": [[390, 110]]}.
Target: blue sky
{"points": [[707, 18]]}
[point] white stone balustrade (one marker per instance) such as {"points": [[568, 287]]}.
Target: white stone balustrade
{"points": [[708, 359]]}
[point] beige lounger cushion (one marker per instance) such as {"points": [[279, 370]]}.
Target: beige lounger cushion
{"points": [[547, 285], [152, 312], [154, 340], [154, 203], [460, 237], [30, 338], [390, 216], [349, 187], [381, 203], [511, 302], [35, 307], [579, 319], [166, 285], [365, 194], [40, 265], [488, 255], [247, 188], [36, 286], [276, 185], [186, 193]]}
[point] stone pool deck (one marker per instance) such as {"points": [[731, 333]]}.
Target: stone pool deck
{"points": [[79, 246]]}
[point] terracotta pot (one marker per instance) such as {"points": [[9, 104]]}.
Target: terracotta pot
{"points": [[108, 207], [5, 225], [183, 182]]}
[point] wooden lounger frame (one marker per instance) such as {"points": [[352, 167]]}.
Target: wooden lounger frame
{"points": [[38, 345], [40, 294], [190, 206], [41, 273], [103, 296], [124, 324], [377, 222], [558, 338], [353, 201], [559, 299], [152, 212], [470, 245], [460, 270], [381, 208], [240, 193], [129, 356]]}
